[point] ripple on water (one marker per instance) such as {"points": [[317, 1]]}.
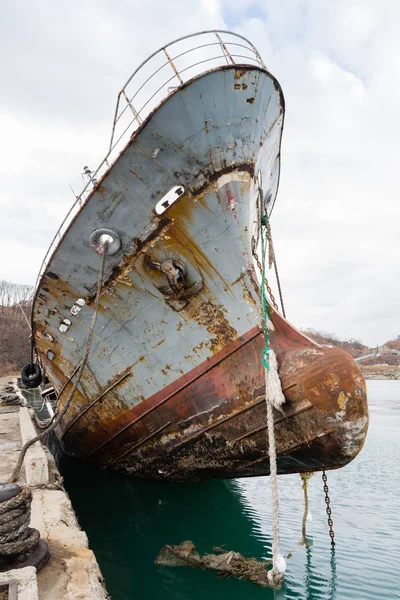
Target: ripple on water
{"points": [[130, 521]]}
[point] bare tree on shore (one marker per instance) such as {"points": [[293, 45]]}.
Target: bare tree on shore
{"points": [[15, 310]]}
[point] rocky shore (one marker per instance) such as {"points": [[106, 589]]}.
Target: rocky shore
{"points": [[380, 372]]}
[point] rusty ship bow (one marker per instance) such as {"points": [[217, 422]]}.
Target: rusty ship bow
{"points": [[174, 385]]}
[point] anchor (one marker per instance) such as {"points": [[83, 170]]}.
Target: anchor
{"points": [[175, 272]]}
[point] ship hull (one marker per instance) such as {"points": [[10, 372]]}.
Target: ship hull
{"points": [[174, 386], [211, 423]]}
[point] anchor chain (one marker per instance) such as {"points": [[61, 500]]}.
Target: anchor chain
{"points": [[268, 287], [328, 509]]}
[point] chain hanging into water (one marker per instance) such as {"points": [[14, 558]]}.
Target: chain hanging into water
{"points": [[328, 509], [79, 370]]}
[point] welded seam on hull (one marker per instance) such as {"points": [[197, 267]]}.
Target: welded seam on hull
{"points": [[217, 424], [140, 443], [209, 364], [296, 447], [276, 421], [111, 387], [312, 439], [191, 438], [198, 434]]}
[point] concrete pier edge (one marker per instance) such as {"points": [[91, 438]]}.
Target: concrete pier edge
{"points": [[72, 572]]}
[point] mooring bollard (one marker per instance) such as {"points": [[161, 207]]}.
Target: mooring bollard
{"points": [[20, 545]]}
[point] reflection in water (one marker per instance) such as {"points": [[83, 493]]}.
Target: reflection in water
{"points": [[332, 587], [316, 585], [128, 522]]}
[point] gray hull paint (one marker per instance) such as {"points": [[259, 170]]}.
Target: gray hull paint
{"points": [[218, 137]]}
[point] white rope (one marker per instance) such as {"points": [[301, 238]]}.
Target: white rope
{"points": [[306, 514], [273, 387], [274, 398]]}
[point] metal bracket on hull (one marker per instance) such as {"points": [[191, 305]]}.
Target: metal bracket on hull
{"points": [[172, 196], [99, 236], [175, 272]]}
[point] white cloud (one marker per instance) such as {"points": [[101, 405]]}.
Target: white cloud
{"points": [[20, 262], [337, 214]]}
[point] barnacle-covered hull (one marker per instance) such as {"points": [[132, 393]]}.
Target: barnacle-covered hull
{"points": [[174, 386]]}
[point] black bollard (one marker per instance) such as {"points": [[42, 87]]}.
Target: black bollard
{"points": [[20, 545]]}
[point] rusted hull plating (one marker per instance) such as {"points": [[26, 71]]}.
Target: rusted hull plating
{"points": [[175, 385]]}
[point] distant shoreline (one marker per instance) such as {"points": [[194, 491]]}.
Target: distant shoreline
{"points": [[391, 372], [381, 372]]}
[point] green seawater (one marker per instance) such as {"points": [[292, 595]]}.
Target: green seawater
{"points": [[128, 522]]}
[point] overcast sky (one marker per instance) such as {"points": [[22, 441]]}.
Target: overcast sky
{"points": [[336, 219]]}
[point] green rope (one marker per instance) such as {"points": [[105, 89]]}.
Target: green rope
{"points": [[264, 221]]}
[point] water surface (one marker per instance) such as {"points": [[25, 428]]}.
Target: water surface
{"points": [[128, 522]]}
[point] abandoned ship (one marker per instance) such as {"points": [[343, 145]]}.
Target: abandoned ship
{"points": [[174, 384]]}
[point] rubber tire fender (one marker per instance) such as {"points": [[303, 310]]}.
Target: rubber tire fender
{"points": [[31, 375]]}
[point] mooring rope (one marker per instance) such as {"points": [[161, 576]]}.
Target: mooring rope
{"points": [[275, 575], [273, 398], [16, 536], [82, 366], [10, 395], [306, 514]]}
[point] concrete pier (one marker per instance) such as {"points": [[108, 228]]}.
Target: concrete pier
{"points": [[72, 572]]}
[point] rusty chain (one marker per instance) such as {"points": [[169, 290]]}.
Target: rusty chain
{"points": [[270, 294], [328, 509]]}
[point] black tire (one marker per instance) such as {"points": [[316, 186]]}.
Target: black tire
{"points": [[31, 375]]}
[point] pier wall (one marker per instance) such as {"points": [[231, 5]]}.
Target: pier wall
{"points": [[72, 572]]}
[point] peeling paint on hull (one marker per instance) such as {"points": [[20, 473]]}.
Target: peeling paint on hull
{"points": [[174, 383]]}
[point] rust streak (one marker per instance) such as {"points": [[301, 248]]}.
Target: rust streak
{"points": [[218, 423], [196, 250], [302, 443], [124, 376], [146, 439], [210, 178], [197, 373], [310, 440], [289, 387], [68, 380], [293, 413], [241, 72]]}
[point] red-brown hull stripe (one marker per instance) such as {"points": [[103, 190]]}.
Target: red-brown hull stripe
{"points": [[129, 418]]}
